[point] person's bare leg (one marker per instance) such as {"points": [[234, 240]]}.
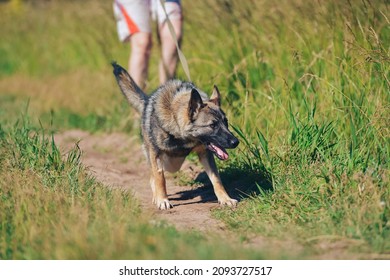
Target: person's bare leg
{"points": [[169, 56], [141, 44]]}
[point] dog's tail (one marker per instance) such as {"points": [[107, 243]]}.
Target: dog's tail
{"points": [[134, 95]]}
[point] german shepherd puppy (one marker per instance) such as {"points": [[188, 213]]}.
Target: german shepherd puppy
{"points": [[176, 119]]}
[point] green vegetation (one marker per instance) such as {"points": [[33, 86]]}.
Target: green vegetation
{"points": [[312, 103], [306, 87]]}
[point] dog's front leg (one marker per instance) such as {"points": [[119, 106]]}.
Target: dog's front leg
{"points": [[207, 160], [157, 182]]}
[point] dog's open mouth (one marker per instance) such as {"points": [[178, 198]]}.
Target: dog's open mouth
{"points": [[218, 151]]}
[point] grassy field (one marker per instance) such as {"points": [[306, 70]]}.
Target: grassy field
{"points": [[306, 87]]}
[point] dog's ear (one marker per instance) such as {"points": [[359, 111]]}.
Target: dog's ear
{"points": [[216, 97], [195, 104]]}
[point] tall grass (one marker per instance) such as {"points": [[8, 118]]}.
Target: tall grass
{"points": [[307, 84]]}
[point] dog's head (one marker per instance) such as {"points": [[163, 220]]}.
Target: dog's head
{"points": [[209, 124]]}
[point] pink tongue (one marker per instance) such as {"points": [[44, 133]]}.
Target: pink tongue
{"points": [[221, 154]]}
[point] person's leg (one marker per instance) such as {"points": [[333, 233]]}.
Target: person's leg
{"points": [[133, 24], [141, 44], [169, 55]]}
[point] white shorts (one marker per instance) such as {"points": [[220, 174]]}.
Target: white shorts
{"points": [[134, 16]]}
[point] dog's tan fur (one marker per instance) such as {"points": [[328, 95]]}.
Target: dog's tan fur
{"points": [[177, 119]]}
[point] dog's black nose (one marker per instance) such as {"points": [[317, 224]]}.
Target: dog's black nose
{"points": [[234, 142]]}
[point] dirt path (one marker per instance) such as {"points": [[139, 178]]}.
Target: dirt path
{"points": [[117, 160]]}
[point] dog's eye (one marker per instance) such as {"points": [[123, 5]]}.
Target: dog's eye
{"points": [[213, 125]]}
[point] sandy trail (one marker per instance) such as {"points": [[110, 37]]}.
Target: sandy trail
{"points": [[117, 160]]}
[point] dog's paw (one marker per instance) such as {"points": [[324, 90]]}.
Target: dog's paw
{"points": [[229, 202], [163, 204]]}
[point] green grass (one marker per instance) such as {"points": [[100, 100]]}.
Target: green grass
{"points": [[315, 191], [305, 84]]}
